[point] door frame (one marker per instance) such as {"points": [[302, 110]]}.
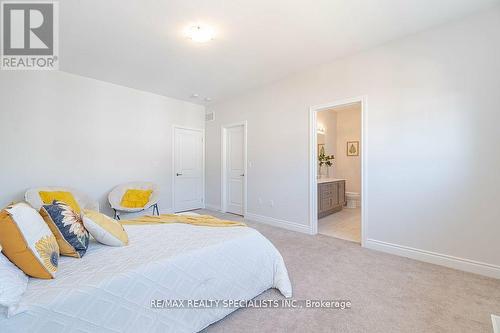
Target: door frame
{"points": [[202, 130], [313, 169], [224, 128]]}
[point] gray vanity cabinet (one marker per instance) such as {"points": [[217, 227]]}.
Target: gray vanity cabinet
{"points": [[331, 197]]}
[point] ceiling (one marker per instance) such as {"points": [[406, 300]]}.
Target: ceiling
{"points": [[140, 43]]}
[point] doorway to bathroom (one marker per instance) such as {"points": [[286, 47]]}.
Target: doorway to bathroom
{"points": [[337, 169]]}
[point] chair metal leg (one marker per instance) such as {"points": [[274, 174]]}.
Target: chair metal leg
{"points": [[117, 217], [155, 207]]}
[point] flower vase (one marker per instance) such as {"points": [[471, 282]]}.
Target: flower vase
{"points": [[320, 171]]}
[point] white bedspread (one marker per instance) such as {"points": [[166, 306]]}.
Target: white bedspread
{"points": [[110, 289]]}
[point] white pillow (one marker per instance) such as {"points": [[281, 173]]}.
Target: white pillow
{"points": [[13, 285], [104, 229]]}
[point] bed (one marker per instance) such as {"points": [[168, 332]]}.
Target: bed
{"points": [[111, 289]]}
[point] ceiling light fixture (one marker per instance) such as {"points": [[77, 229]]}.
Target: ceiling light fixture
{"points": [[200, 33]]}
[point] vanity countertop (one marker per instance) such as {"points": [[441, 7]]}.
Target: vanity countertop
{"points": [[328, 180]]}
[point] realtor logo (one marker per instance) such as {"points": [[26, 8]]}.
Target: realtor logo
{"points": [[30, 35]]}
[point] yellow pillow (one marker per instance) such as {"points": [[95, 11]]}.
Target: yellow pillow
{"points": [[66, 197], [104, 229], [136, 198], [28, 242]]}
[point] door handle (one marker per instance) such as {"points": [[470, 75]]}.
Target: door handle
{"points": [[242, 175], [179, 174]]}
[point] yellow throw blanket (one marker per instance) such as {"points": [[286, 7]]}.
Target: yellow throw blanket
{"points": [[199, 220]]}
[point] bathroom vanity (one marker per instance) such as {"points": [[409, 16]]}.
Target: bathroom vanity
{"points": [[331, 196]]}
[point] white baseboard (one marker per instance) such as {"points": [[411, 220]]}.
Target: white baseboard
{"points": [[436, 258], [212, 207], [279, 223]]}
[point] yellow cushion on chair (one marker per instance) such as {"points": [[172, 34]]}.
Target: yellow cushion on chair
{"points": [[136, 198], [66, 197]]}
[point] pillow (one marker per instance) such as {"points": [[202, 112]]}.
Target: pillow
{"points": [[67, 226], [104, 229], [28, 242], [66, 197], [136, 198], [13, 286]]}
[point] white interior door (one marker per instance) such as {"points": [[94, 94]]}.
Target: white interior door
{"points": [[235, 169], [188, 169]]}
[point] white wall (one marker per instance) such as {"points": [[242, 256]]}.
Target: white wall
{"points": [[62, 129], [348, 129], [432, 142]]}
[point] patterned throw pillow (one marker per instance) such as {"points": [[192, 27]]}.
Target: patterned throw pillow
{"points": [[28, 242], [67, 226]]}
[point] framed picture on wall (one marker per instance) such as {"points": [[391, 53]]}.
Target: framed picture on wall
{"points": [[321, 149], [352, 148]]}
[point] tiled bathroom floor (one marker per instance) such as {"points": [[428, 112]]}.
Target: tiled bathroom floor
{"points": [[345, 224]]}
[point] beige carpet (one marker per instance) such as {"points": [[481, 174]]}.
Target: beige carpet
{"points": [[388, 293]]}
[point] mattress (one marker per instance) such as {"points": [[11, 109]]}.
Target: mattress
{"points": [[111, 289]]}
